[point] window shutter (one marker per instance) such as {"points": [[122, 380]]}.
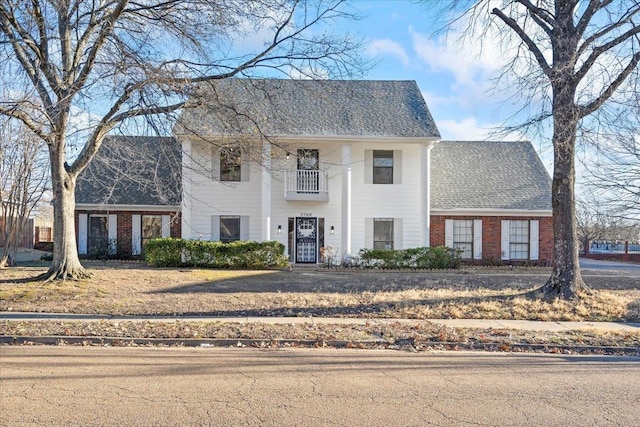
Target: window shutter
{"points": [[397, 166], [113, 234], [397, 233], [83, 220], [166, 226], [448, 233], [504, 236], [244, 227], [368, 233], [136, 234], [215, 228], [244, 166], [368, 172], [215, 165], [534, 240], [477, 239]]}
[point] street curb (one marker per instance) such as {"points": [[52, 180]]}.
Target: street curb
{"points": [[408, 345]]}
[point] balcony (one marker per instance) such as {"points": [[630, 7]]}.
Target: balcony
{"points": [[308, 185]]}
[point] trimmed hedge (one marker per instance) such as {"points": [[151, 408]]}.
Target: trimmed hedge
{"points": [[439, 257], [168, 252]]}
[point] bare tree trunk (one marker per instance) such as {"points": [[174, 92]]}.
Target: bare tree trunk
{"points": [[565, 281], [66, 264]]}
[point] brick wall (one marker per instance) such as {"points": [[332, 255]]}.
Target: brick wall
{"points": [[124, 223], [491, 230]]}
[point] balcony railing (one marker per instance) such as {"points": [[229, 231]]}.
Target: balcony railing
{"points": [[312, 185]]}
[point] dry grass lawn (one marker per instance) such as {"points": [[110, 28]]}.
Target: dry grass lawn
{"points": [[132, 288]]}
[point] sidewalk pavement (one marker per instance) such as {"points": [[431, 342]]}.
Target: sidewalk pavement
{"points": [[528, 325]]}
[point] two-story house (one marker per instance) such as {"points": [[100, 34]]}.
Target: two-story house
{"points": [[340, 166]]}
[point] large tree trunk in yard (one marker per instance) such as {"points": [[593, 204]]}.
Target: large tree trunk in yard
{"points": [[66, 264], [565, 281]]}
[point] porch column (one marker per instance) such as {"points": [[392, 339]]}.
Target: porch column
{"points": [[266, 191], [346, 199], [186, 189], [425, 193]]}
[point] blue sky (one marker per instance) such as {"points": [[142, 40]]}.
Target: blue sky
{"points": [[456, 82]]}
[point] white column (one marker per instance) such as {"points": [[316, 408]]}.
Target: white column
{"points": [[186, 188], [346, 199], [266, 191], [425, 193]]}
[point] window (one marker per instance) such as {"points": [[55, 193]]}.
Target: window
{"points": [[463, 237], [519, 239], [229, 228], [383, 233], [98, 234], [230, 163], [151, 228], [382, 167]]}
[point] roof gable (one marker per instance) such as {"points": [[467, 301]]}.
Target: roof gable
{"points": [[329, 108], [488, 175], [133, 170]]}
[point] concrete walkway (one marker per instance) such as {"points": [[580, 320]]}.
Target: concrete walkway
{"points": [[529, 325]]}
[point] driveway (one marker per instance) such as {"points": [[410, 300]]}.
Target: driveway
{"points": [[96, 386], [626, 269]]}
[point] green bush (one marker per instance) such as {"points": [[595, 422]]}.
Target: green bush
{"points": [[436, 257], [198, 253]]}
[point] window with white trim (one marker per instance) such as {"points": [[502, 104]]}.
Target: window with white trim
{"points": [[518, 239], [151, 228], [230, 164], [229, 228], [383, 233], [382, 166], [463, 237]]}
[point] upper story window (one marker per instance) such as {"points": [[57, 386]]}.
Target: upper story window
{"points": [[230, 164], [382, 166]]}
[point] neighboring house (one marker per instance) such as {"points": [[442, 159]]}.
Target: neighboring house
{"points": [[337, 166], [128, 194]]}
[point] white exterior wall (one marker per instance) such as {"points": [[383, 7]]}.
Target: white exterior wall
{"points": [[387, 200], [210, 197], [401, 200], [330, 155]]}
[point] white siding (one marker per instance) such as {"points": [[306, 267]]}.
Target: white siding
{"points": [[210, 197]]}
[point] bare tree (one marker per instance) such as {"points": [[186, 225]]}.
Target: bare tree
{"points": [[577, 61], [96, 65], [23, 179], [592, 222]]}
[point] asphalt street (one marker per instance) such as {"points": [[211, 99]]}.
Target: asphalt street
{"points": [[96, 386], [610, 266]]}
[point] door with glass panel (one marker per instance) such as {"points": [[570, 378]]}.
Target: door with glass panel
{"points": [[306, 240], [308, 171]]}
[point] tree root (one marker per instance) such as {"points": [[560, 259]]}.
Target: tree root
{"points": [[566, 289], [64, 272]]}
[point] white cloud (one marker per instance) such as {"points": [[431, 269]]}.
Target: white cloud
{"points": [[388, 47], [466, 130]]}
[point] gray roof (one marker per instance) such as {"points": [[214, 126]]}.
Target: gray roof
{"points": [[133, 170], [488, 175], [276, 107]]}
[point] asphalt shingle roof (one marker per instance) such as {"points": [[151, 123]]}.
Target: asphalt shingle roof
{"points": [[133, 170], [488, 175], [277, 107]]}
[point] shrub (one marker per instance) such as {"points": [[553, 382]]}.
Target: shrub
{"points": [[436, 257], [197, 253]]}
